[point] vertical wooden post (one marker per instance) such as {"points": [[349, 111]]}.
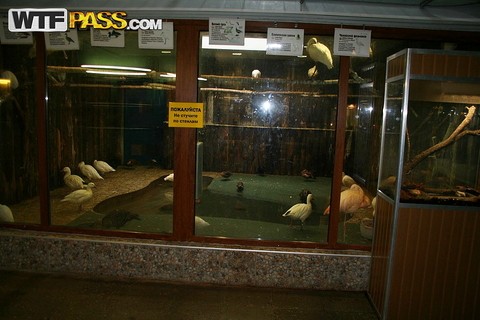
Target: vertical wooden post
{"points": [[41, 121], [185, 138], [339, 150]]}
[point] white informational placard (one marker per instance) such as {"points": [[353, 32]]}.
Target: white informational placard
{"points": [[226, 31], [352, 42], [7, 37], [285, 42], [157, 39], [107, 38], [62, 40]]}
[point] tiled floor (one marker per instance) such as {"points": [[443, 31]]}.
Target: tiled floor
{"points": [[51, 296]]}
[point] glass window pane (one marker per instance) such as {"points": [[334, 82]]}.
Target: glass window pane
{"points": [[116, 119], [267, 143], [18, 135], [362, 144]]}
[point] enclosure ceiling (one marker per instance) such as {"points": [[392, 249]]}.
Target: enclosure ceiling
{"points": [[458, 15]]}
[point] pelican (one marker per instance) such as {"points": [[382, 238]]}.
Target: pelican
{"points": [[347, 181], [6, 214], [72, 180], [319, 52], [300, 211], [80, 196], [351, 200], [102, 167], [89, 171]]}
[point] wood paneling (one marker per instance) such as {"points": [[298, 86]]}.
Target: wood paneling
{"points": [[435, 271], [396, 67], [445, 65], [436, 266], [185, 138], [380, 252]]}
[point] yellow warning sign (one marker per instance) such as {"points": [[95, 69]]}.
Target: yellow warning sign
{"points": [[185, 114]]}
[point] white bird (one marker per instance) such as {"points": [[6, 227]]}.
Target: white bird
{"points": [[319, 52], [200, 223], [102, 167], [80, 196], [89, 171], [169, 177], [351, 200], [9, 75], [72, 180], [6, 214], [300, 211]]}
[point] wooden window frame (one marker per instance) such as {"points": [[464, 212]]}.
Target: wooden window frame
{"points": [[188, 37]]}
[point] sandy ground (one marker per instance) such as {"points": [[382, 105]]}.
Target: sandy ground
{"points": [[122, 181]]}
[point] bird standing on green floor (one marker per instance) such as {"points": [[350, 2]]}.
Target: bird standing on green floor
{"points": [[300, 211]]}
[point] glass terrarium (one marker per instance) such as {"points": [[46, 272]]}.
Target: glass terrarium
{"points": [[431, 128]]}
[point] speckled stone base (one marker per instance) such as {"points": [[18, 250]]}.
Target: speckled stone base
{"points": [[183, 262]]}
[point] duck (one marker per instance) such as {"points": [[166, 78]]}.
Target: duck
{"points": [[102, 167], [6, 214], [170, 177], [240, 186], [225, 174], [89, 171], [72, 180], [351, 200], [307, 174], [300, 211], [80, 196]]}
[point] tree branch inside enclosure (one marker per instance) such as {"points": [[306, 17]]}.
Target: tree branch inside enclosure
{"points": [[457, 134]]}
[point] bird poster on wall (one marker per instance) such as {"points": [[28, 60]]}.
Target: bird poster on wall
{"points": [[107, 38], [226, 31], [8, 37], [157, 39], [285, 42], [351, 42], [62, 40]]}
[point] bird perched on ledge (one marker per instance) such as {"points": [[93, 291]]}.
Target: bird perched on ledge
{"points": [[319, 53]]}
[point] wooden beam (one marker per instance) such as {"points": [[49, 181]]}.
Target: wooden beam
{"points": [[185, 138]]}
